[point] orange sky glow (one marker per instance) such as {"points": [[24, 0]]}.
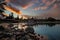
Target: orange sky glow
{"points": [[13, 10]]}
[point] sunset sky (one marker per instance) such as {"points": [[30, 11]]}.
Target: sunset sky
{"points": [[42, 8]]}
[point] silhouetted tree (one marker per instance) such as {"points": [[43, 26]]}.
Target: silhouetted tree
{"points": [[51, 19], [17, 17], [10, 16]]}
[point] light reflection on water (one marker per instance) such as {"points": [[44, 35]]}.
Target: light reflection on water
{"points": [[15, 25], [50, 30]]}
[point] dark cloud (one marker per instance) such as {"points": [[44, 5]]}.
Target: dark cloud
{"points": [[22, 3], [28, 3], [49, 4], [1, 0]]}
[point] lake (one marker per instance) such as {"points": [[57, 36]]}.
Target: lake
{"points": [[52, 31]]}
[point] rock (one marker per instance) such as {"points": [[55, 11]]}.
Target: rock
{"points": [[29, 30], [27, 34]]}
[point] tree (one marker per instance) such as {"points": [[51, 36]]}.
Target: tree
{"points": [[11, 16], [17, 17], [51, 19]]}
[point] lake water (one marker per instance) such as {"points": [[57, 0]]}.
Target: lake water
{"points": [[52, 31]]}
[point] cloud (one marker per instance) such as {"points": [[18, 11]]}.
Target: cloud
{"points": [[55, 6], [48, 4], [25, 4], [7, 1], [37, 8], [11, 9], [41, 8], [22, 3], [44, 1], [5, 14]]}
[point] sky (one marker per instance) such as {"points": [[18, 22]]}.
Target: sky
{"points": [[42, 8]]}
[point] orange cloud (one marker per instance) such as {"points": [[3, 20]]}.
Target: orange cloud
{"points": [[13, 10], [48, 3], [44, 1], [37, 8], [5, 14], [27, 6], [7, 1], [55, 6], [44, 8], [41, 8]]}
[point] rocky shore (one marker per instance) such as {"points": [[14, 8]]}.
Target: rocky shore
{"points": [[13, 33]]}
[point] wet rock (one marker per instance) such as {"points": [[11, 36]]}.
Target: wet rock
{"points": [[27, 34], [29, 30], [2, 28]]}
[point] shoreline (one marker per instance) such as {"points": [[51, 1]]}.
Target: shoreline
{"points": [[20, 34]]}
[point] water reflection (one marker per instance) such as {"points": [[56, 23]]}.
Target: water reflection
{"points": [[51, 24], [23, 25]]}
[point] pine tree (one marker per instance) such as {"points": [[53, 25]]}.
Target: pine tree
{"points": [[17, 17], [11, 16]]}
